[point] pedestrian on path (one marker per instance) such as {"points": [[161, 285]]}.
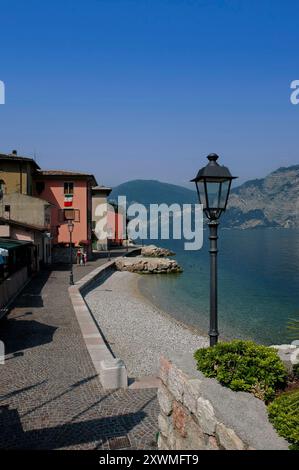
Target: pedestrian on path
{"points": [[78, 256]]}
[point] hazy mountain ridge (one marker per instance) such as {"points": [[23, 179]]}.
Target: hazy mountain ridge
{"points": [[272, 201], [153, 192]]}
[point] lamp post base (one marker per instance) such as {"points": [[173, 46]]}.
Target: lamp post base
{"points": [[213, 338]]}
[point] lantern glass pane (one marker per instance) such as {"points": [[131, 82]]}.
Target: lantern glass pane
{"points": [[201, 193], [214, 194], [223, 194]]}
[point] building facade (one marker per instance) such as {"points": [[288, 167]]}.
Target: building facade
{"points": [[70, 195], [100, 215], [22, 216], [16, 173], [27, 218]]}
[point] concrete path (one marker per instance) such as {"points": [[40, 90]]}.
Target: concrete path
{"points": [[50, 395]]}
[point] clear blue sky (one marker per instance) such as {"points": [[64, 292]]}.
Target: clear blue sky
{"points": [[146, 89]]}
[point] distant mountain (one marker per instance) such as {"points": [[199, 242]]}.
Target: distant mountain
{"points": [[272, 201], [153, 192]]}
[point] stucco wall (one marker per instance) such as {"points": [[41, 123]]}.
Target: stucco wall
{"points": [[17, 176], [54, 193], [26, 209]]}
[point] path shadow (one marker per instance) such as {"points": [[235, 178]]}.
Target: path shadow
{"points": [[18, 335], [21, 390], [31, 296], [94, 431]]}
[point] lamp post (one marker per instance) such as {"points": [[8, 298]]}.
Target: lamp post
{"points": [[109, 237], [70, 226], [213, 183]]}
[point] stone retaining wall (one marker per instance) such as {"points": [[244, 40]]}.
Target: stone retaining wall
{"points": [[112, 371], [197, 413], [11, 287]]}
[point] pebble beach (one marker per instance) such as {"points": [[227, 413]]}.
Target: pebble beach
{"points": [[136, 330]]}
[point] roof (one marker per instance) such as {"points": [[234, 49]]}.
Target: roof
{"points": [[9, 244], [101, 189], [17, 223], [18, 158], [64, 173]]}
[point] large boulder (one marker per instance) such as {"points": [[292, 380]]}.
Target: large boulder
{"points": [[148, 265], [289, 354], [156, 252]]}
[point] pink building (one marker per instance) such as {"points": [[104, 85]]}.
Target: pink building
{"points": [[70, 194], [115, 222]]}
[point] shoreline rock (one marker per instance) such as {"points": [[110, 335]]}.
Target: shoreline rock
{"points": [[148, 265], [153, 251]]}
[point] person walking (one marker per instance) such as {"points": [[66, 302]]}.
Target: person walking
{"points": [[78, 256]]}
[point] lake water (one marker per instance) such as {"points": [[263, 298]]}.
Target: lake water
{"points": [[258, 282]]}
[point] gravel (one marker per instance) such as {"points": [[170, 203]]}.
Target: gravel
{"points": [[137, 331]]}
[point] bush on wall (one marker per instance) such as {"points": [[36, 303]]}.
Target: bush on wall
{"points": [[244, 366], [284, 415]]}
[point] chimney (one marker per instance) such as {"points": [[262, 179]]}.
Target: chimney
{"points": [[14, 152]]}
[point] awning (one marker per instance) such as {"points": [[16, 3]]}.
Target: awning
{"points": [[8, 243]]}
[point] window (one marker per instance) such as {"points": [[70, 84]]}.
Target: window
{"points": [[39, 186], [68, 188], [7, 208], [2, 186]]}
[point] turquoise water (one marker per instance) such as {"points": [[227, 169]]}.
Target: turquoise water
{"points": [[258, 284]]}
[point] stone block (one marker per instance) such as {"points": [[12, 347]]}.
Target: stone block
{"points": [[113, 374], [176, 382], [179, 418], [165, 400], [295, 357], [206, 416], [195, 437], [165, 366], [164, 423], [191, 392], [162, 443], [289, 354], [228, 439], [212, 443]]}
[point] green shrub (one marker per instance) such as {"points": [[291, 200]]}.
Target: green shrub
{"points": [[296, 370], [284, 415], [243, 365]]}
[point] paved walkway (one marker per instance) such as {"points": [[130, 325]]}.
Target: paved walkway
{"points": [[50, 395]]}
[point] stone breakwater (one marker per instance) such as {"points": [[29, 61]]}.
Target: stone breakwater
{"points": [[148, 265], [156, 251]]}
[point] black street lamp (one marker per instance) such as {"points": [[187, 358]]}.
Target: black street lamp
{"points": [[109, 237], [70, 226], [213, 183]]}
